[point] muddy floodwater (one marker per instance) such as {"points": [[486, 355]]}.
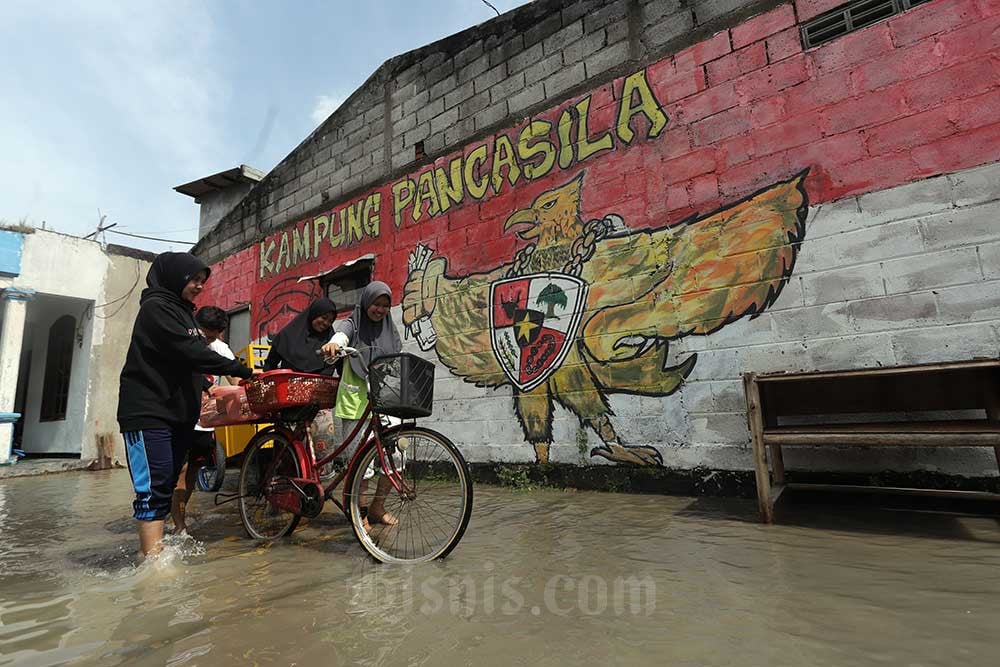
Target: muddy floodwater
{"points": [[541, 578]]}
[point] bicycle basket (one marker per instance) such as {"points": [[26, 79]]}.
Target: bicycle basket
{"points": [[401, 385], [274, 391]]}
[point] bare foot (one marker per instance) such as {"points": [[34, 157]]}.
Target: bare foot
{"points": [[384, 517]]}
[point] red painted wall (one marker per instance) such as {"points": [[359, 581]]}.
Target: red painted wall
{"points": [[901, 100]]}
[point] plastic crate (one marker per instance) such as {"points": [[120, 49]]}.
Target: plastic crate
{"points": [[401, 385], [279, 390]]}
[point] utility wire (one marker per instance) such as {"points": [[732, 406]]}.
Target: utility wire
{"points": [[150, 238]]}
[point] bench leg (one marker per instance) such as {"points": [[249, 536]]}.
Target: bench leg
{"points": [[763, 483], [996, 450], [756, 423]]}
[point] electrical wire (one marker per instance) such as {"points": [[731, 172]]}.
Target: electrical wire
{"points": [[150, 238], [121, 299]]}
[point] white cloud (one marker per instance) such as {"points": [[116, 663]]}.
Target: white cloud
{"points": [[131, 105], [325, 105]]}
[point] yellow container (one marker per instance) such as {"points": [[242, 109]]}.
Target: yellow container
{"points": [[236, 438]]}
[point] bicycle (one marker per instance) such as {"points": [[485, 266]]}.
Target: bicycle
{"points": [[430, 488]]}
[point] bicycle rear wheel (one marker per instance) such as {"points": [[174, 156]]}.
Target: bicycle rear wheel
{"points": [[269, 459], [436, 503]]}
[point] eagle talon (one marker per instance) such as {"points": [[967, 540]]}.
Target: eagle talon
{"points": [[642, 344], [640, 456]]}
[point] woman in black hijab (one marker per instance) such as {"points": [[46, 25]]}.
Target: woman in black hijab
{"points": [[158, 400], [295, 346]]}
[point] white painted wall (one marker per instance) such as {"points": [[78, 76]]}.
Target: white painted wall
{"points": [[68, 273], [62, 265]]}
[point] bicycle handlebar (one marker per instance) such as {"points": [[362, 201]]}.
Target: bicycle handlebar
{"points": [[341, 353]]}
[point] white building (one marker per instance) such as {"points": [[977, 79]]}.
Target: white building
{"points": [[68, 305]]}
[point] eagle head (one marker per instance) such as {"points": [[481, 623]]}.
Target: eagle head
{"points": [[553, 218]]}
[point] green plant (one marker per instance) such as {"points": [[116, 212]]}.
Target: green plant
{"points": [[581, 441], [514, 476]]}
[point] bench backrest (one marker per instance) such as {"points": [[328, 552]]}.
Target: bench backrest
{"points": [[966, 386]]}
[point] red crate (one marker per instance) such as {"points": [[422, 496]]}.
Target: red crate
{"points": [[273, 391], [228, 407]]}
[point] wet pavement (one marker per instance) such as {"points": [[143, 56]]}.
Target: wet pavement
{"points": [[541, 578]]}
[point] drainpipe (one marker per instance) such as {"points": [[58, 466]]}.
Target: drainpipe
{"points": [[15, 305]]}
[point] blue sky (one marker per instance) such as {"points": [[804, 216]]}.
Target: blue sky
{"points": [[109, 105]]}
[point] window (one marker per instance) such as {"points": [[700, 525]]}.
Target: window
{"points": [[238, 333], [58, 365], [850, 17], [343, 285]]}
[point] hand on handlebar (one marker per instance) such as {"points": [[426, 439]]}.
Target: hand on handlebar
{"points": [[332, 351]]}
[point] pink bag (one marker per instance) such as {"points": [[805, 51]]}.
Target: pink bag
{"points": [[228, 407]]}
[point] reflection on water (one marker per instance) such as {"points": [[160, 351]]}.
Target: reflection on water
{"points": [[541, 578]]}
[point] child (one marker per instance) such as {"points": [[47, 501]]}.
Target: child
{"points": [[369, 329], [212, 322], [159, 398]]}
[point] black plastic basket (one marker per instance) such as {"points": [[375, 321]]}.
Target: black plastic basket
{"points": [[402, 385]]}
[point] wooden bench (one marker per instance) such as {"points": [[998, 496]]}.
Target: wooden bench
{"points": [[870, 407]]}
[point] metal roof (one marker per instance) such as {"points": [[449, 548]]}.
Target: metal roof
{"points": [[220, 181]]}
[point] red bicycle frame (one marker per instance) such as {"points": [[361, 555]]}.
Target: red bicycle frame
{"points": [[299, 436]]}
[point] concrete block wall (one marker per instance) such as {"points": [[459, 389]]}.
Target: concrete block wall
{"points": [[891, 132], [901, 276], [452, 91]]}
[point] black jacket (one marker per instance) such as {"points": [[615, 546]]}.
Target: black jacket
{"points": [[162, 378]]}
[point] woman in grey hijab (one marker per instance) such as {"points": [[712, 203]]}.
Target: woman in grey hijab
{"points": [[371, 331]]}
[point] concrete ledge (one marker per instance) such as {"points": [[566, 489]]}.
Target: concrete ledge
{"points": [[29, 467], [703, 481]]}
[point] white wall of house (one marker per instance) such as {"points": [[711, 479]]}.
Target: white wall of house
{"points": [[73, 276]]}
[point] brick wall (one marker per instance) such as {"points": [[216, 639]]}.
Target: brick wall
{"points": [[860, 176]]}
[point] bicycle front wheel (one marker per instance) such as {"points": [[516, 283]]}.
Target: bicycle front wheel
{"points": [[268, 462], [432, 508]]}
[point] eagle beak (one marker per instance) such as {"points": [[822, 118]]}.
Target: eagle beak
{"points": [[524, 223]]}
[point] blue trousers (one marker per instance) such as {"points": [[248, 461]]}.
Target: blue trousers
{"points": [[155, 458]]}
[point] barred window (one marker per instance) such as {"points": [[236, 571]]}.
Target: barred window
{"points": [[58, 367], [850, 17]]}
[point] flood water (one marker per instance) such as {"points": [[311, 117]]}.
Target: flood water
{"points": [[541, 578]]}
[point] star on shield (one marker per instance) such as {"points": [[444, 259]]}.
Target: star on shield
{"points": [[528, 324]]}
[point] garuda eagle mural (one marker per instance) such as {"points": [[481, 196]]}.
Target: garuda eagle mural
{"points": [[589, 308]]}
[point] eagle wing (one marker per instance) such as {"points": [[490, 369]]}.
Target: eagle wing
{"points": [[461, 320], [694, 277]]}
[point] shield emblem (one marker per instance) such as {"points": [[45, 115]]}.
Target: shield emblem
{"points": [[533, 321]]}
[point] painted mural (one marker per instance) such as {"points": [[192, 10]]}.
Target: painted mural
{"points": [[565, 255], [282, 301], [543, 258], [588, 308]]}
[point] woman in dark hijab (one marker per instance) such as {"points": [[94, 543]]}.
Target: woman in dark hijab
{"points": [[371, 331], [295, 346], [158, 400]]}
